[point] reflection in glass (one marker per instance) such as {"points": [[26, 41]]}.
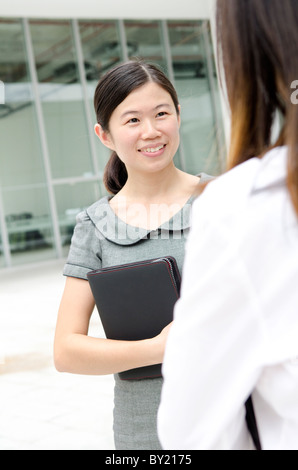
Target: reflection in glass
{"points": [[144, 40], [22, 177], [28, 223], [62, 98], [59, 47], [2, 261], [195, 78], [71, 199], [101, 50], [20, 160]]}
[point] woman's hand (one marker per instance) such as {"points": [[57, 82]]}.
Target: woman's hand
{"points": [[76, 352], [161, 341]]}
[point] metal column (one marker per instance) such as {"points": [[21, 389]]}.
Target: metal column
{"points": [[210, 71], [4, 233], [167, 47], [82, 75], [43, 138], [123, 42]]}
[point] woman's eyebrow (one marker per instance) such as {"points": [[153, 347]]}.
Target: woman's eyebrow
{"points": [[129, 112], [162, 106], [126, 113]]}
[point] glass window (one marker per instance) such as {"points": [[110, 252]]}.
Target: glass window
{"points": [[4, 256], [22, 176], [2, 260], [144, 40], [77, 157], [28, 223], [196, 84], [102, 51], [62, 98], [71, 199], [101, 48], [20, 160]]}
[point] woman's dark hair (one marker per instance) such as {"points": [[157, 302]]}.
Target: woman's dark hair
{"points": [[257, 48], [111, 90]]}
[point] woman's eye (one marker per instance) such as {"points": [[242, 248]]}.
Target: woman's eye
{"points": [[133, 120], [161, 114]]}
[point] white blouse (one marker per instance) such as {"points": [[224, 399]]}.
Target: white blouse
{"points": [[236, 324]]}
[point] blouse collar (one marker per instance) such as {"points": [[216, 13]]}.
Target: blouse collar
{"points": [[114, 229]]}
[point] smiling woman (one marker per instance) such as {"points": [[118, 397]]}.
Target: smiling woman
{"points": [[147, 216], [117, 103], [152, 130]]}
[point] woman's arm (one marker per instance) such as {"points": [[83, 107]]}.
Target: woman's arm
{"points": [[77, 353]]}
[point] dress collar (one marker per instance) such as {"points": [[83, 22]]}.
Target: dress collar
{"points": [[109, 226], [114, 229]]}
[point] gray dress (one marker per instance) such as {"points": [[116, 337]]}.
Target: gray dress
{"points": [[101, 239]]}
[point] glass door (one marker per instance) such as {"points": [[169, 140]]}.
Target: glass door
{"points": [[196, 84], [101, 50], [24, 195]]}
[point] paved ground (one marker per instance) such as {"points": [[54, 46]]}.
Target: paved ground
{"points": [[41, 409]]}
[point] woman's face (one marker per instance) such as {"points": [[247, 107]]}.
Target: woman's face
{"points": [[144, 129]]}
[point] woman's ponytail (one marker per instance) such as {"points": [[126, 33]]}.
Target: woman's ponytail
{"points": [[115, 174]]}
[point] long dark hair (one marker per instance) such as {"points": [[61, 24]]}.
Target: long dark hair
{"points": [[257, 46], [111, 90]]}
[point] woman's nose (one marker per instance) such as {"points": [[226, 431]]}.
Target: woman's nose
{"points": [[150, 130]]}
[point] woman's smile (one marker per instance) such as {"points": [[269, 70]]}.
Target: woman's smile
{"points": [[153, 151]]}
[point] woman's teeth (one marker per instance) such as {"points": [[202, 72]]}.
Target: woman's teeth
{"points": [[152, 150]]}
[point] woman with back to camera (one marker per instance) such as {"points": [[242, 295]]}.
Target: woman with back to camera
{"points": [[235, 330], [138, 118]]}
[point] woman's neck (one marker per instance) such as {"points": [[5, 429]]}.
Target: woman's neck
{"points": [[150, 201], [154, 187]]}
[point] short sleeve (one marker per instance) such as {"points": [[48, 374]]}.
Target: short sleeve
{"points": [[85, 250]]}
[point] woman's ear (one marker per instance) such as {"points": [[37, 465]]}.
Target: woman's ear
{"points": [[179, 115], [104, 136]]}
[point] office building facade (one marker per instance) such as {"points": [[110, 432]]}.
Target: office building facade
{"points": [[51, 163]]}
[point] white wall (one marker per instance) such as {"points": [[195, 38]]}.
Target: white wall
{"points": [[155, 9]]}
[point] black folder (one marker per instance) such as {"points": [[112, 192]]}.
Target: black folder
{"points": [[136, 301]]}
